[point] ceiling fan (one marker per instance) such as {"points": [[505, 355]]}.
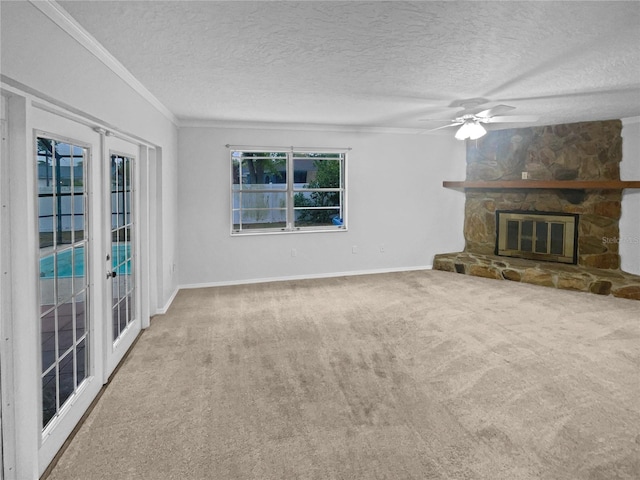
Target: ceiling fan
{"points": [[471, 123]]}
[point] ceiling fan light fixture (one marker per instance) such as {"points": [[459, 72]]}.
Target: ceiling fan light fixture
{"points": [[470, 129], [477, 131], [464, 131]]}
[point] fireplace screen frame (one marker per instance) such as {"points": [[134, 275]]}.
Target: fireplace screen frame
{"points": [[504, 247]]}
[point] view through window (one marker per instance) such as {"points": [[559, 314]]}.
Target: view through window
{"points": [[287, 191]]}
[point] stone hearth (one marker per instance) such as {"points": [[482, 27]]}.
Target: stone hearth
{"points": [[547, 274], [582, 151]]}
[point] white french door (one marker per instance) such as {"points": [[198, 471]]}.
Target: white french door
{"points": [[64, 247], [75, 289], [86, 240], [66, 161], [122, 252]]}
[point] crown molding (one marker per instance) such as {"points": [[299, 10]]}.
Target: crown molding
{"points": [[318, 127], [69, 25], [309, 127]]}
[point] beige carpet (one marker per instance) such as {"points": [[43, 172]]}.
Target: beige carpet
{"points": [[417, 375]]}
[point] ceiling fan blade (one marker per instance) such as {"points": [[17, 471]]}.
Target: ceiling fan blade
{"points": [[511, 119], [495, 111], [454, 124], [434, 120]]}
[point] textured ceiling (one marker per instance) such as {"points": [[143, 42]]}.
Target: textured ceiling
{"points": [[382, 64]]}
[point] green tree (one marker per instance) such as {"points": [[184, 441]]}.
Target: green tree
{"points": [[327, 176], [258, 164]]}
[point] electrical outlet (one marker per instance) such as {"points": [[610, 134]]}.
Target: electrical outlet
{"points": [[525, 175], [354, 249], [294, 252]]}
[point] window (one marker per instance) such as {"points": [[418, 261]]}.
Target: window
{"points": [[287, 191]]}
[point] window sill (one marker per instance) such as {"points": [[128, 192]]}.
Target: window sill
{"points": [[284, 231]]}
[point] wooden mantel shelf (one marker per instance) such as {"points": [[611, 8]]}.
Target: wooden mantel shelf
{"points": [[544, 184]]}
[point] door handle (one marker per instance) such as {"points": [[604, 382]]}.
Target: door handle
{"points": [[112, 274]]}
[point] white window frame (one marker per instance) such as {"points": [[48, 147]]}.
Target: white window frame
{"points": [[291, 190]]}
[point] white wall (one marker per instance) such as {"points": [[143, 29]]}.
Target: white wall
{"points": [[42, 63], [395, 200], [630, 220], [41, 58]]}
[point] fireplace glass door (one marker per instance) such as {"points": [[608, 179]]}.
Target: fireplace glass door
{"points": [[538, 236]]}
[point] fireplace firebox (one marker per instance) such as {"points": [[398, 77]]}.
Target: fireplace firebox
{"points": [[547, 236]]}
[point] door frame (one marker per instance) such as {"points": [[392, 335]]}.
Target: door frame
{"points": [[5, 304]]}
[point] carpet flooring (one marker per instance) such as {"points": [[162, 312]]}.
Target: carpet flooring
{"points": [[412, 375]]}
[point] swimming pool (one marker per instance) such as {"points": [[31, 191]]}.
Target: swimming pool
{"points": [[70, 262]]}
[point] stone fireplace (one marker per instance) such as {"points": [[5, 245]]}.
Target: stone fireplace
{"points": [[590, 151]]}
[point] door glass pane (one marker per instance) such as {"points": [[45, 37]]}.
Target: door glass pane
{"points": [[62, 168], [81, 359], [63, 281], [78, 216], [526, 236], [46, 192], [116, 322], [79, 272], [115, 289], [128, 238], [64, 220], [64, 274], [48, 339], [542, 230], [557, 238], [130, 304], [513, 229], [66, 384], [49, 396], [80, 316], [126, 188], [78, 190], [122, 250], [122, 306], [46, 217], [65, 327], [47, 281]]}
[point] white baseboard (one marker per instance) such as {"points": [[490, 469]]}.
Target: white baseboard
{"points": [[226, 283], [163, 310], [301, 277]]}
